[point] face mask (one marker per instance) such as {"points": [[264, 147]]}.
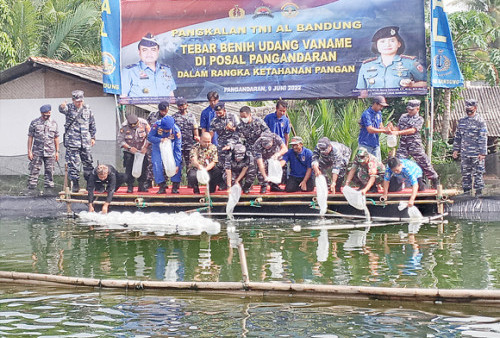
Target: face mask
{"points": [[245, 119], [239, 158], [469, 110]]}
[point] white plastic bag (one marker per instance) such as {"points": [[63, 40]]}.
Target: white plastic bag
{"points": [[321, 193], [274, 171], [203, 176], [167, 156], [234, 197], [137, 167], [392, 141], [355, 198], [413, 211]]}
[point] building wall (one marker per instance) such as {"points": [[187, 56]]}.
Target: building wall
{"points": [[20, 102]]}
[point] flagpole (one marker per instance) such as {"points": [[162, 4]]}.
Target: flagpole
{"points": [[431, 108]]}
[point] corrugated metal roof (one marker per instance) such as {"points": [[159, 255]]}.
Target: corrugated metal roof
{"points": [[88, 72], [488, 99]]}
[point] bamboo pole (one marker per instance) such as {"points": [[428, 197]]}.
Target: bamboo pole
{"points": [[265, 289], [243, 263]]}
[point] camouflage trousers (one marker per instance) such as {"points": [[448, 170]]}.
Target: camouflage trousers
{"points": [[150, 177], [247, 181], [361, 177], [326, 171], [472, 167], [416, 151], [76, 157], [34, 168]]}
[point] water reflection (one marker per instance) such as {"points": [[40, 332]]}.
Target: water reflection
{"points": [[454, 255]]}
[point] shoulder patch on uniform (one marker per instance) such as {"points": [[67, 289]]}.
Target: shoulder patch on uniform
{"points": [[131, 66], [370, 60], [409, 57], [164, 66]]}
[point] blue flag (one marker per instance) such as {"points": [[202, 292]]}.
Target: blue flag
{"points": [[445, 72], [110, 44]]}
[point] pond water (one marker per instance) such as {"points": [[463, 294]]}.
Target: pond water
{"points": [[457, 255]]}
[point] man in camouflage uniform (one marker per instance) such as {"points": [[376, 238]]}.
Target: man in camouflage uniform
{"points": [[410, 142], [79, 137], [204, 156], [152, 118], [189, 129], [250, 128], [334, 155], [133, 138], [367, 172], [471, 143], [239, 167], [224, 124], [268, 145], [43, 148]]}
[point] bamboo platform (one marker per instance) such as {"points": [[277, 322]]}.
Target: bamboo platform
{"points": [[271, 204]]}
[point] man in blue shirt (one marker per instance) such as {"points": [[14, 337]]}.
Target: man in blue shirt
{"points": [[278, 122], [208, 114], [371, 126], [300, 159], [401, 171]]}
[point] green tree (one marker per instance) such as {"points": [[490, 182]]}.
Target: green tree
{"points": [[60, 29], [474, 36], [7, 50]]}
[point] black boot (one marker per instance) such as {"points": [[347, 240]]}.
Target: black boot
{"points": [[130, 188], [263, 188], [163, 188], [143, 187], [196, 189], [435, 182], [175, 187], [246, 188], [276, 188], [479, 192], [76, 186]]}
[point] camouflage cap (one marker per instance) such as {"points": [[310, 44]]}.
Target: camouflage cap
{"points": [[77, 95], [412, 104], [102, 169], [470, 103], [180, 101], [362, 154], [45, 108], [323, 143], [239, 149]]}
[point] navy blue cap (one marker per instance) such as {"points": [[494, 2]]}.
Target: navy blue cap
{"points": [[167, 122], [219, 106], [148, 41], [45, 108]]}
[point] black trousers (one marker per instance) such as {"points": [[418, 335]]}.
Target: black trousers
{"points": [[292, 184], [215, 178], [396, 184], [128, 163]]}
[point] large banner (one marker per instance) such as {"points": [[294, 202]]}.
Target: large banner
{"points": [[445, 69], [269, 49]]}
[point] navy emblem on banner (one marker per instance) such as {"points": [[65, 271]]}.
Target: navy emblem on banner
{"points": [[290, 10]]}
